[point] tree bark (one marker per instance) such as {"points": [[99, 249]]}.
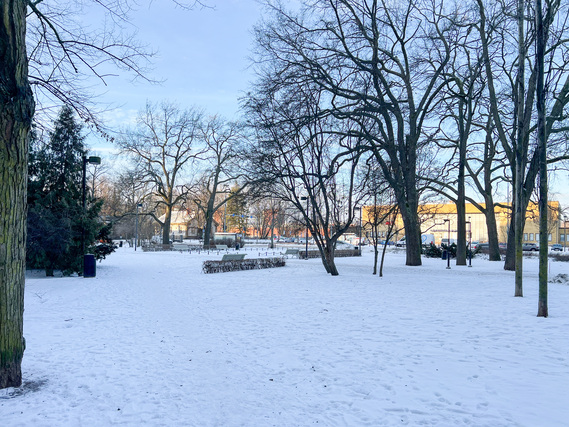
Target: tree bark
{"points": [[542, 310], [519, 153], [328, 260], [493, 243], [166, 225], [16, 112]]}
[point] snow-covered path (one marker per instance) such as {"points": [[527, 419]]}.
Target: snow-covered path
{"points": [[153, 341]]}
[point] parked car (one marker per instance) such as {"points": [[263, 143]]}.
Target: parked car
{"points": [[556, 247], [533, 247]]}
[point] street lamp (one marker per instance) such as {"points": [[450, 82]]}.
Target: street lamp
{"points": [[88, 260], [307, 201], [448, 244], [226, 189], [138, 205]]}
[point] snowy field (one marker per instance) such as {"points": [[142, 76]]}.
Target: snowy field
{"points": [[152, 341]]}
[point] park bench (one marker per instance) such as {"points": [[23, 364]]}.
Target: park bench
{"points": [[182, 247], [233, 257], [221, 247], [291, 252]]}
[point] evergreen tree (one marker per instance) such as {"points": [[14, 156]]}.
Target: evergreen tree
{"points": [[236, 211], [55, 212]]}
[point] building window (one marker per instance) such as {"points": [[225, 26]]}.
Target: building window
{"points": [[562, 237], [531, 236], [537, 237], [549, 237], [525, 237]]}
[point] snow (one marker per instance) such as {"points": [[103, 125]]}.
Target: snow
{"points": [[153, 341]]}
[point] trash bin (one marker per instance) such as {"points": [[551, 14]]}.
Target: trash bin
{"points": [[445, 254], [120, 244], [89, 266]]}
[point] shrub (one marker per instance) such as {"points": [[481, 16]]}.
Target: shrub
{"points": [[245, 264], [432, 251]]}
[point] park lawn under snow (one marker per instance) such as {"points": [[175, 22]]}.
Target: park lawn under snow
{"points": [[154, 341]]}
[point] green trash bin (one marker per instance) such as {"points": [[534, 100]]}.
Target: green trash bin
{"points": [[89, 266]]}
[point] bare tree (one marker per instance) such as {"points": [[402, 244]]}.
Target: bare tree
{"points": [[382, 65], [222, 141], [510, 88], [163, 145], [308, 161]]}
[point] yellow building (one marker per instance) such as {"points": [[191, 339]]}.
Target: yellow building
{"points": [[433, 216]]}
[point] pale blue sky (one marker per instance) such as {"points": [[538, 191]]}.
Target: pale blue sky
{"points": [[202, 56]]}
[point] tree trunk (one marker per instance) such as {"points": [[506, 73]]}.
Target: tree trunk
{"points": [[542, 310], [461, 193], [16, 112], [493, 243], [519, 153], [461, 228], [166, 226], [328, 260], [208, 223], [375, 257], [382, 259], [412, 236]]}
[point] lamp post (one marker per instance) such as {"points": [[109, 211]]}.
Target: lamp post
{"points": [[94, 160], [307, 201], [138, 205], [226, 189], [469, 222], [448, 244]]}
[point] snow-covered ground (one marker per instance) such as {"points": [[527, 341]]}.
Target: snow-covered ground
{"points": [[153, 341]]}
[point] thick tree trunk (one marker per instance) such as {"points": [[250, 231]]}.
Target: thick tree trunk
{"points": [[412, 236], [493, 243], [328, 260], [461, 228], [461, 193], [208, 223], [166, 226], [16, 112]]}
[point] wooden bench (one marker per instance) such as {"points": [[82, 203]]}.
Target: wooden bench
{"points": [[220, 247], [291, 252], [233, 257]]}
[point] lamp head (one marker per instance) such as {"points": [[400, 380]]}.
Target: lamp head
{"points": [[94, 160]]}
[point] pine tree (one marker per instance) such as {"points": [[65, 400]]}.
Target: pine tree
{"points": [[237, 211], [55, 212]]}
